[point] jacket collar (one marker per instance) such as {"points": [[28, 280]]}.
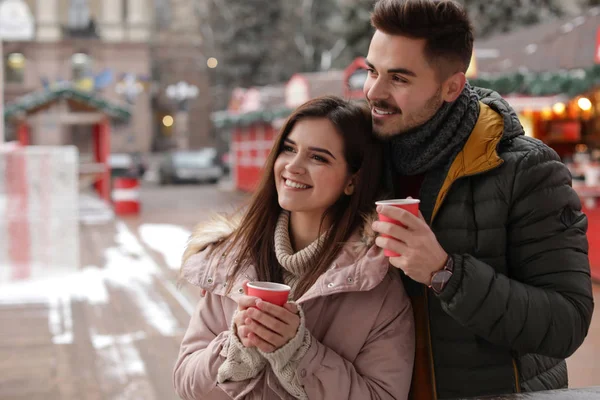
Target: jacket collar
{"points": [[479, 154]]}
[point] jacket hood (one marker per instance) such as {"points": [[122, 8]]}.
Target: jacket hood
{"points": [[214, 231], [221, 227], [512, 125], [360, 265]]}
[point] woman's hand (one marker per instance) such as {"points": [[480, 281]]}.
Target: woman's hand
{"points": [[269, 327], [244, 303]]}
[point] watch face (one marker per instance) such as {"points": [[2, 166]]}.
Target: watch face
{"points": [[439, 280]]}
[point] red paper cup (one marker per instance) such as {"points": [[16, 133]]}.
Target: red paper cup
{"points": [[276, 293], [410, 205]]}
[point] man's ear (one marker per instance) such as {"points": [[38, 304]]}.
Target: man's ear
{"points": [[453, 86]]}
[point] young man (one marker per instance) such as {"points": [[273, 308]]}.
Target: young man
{"points": [[497, 265]]}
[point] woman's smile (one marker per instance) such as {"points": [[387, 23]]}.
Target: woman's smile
{"points": [[295, 185]]}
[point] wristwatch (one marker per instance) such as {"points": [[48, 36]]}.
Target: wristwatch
{"points": [[440, 279]]}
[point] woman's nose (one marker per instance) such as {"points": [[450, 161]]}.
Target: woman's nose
{"points": [[295, 167]]}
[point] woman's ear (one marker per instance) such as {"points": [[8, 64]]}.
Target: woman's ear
{"points": [[349, 189]]}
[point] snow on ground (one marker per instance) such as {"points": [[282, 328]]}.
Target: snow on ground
{"points": [[128, 266], [169, 240]]}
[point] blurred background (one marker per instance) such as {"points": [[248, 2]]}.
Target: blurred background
{"points": [[127, 122]]}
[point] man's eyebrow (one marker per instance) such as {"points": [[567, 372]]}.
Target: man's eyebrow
{"points": [[317, 149], [402, 71]]}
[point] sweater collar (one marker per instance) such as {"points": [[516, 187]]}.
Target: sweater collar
{"points": [[296, 263]]}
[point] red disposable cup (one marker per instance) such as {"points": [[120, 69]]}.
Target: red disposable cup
{"points": [[276, 293], [410, 205]]}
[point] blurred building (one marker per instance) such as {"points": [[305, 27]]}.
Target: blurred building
{"points": [[99, 46], [178, 56]]}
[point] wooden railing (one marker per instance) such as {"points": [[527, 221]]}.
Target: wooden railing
{"points": [[589, 393]]}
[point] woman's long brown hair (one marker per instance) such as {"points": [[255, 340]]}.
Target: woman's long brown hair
{"points": [[255, 237]]}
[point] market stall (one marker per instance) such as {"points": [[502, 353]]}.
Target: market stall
{"points": [[71, 107]]}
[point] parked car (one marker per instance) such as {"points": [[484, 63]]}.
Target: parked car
{"points": [[130, 165], [190, 166]]}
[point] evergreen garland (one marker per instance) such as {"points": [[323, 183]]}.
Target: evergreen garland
{"points": [[571, 83], [224, 119], [32, 101]]}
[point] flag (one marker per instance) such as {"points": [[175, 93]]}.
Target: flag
{"points": [[103, 79]]}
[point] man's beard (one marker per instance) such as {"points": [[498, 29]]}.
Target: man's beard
{"points": [[432, 106]]}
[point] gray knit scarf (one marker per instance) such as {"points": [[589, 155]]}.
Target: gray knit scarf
{"points": [[431, 144], [431, 148], [295, 265]]}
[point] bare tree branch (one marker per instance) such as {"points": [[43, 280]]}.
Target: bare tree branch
{"points": [[305, 49], [328, 56], [307, 29], [203, 15], [224, 11]]}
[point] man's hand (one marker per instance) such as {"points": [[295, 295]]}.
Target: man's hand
{"points": [[421, 253], [270, 327]]}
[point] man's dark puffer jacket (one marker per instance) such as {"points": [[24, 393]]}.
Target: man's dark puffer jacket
{"points": [[521, 297]]}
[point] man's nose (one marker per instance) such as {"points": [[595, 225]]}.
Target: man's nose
{"points": [[375, 89]]}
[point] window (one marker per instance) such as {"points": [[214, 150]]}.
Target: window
{"points": [[163, 14], [125, 11], [15, 68], [81, 65], [79, 14]]}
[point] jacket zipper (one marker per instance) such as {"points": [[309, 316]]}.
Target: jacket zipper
{"points": [[514, 362], [461, 177], [431, 362], [516, 371]]}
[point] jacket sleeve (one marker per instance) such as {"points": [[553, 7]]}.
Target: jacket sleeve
{"points": [[203, 351], [545, 307], [284, 361], [382, 369]]}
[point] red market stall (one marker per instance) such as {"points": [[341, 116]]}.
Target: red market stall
{"points": [[252, 120], [251, 146], [255, 115], [73, 107]]}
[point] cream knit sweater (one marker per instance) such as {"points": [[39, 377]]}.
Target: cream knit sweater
{"points": [[245, 363]]}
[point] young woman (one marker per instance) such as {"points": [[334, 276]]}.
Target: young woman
{"points": [[348, 331]]}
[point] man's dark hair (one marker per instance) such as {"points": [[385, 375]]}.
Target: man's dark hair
{"points": [[444, 24]]}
